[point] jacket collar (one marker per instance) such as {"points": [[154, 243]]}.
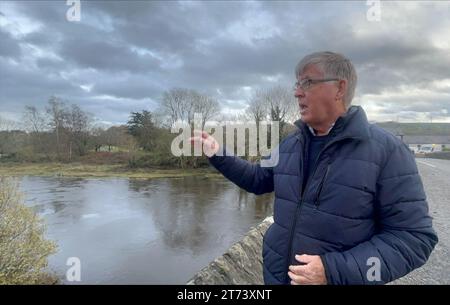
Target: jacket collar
{"points": [[352, 124]]}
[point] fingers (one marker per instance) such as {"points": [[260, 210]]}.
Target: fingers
{"points": [[201, 133], [297, 273], [297, 279], [200, 140], [210, 145], [195, 140], [305, 258], [298, 269], [312, 272]]}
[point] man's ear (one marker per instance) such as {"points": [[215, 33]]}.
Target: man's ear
{"points": [[342, 89]]}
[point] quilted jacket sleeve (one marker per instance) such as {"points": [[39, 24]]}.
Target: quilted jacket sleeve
{"points": [[405, 237], [252, 177]]}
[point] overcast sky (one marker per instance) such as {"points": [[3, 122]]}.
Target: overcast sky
{"points": [[122, 55]]}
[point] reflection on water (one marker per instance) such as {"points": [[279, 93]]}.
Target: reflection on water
{"points": [[132, 231]]}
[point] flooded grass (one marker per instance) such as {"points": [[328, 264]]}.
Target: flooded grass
{"points": [[89, 171]]}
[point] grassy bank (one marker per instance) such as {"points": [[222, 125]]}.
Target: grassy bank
{"points": [[88, 170]]}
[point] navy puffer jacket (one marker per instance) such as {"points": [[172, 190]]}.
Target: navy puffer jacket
{"points": [[363, 204]]}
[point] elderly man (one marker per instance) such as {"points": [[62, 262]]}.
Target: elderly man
{"points": [[350, 207]]}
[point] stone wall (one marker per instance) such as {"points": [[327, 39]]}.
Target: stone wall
{"points": [[240, 265]]}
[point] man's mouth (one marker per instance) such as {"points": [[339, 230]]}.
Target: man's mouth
{"points": [[303, 108]]}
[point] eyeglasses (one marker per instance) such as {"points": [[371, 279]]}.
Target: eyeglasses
{"points": [[305, 84]]}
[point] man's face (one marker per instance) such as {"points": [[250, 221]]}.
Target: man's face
{"points": [[318, 103]]}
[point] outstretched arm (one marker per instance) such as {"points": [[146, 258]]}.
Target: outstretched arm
{"points": [[249, 176]]}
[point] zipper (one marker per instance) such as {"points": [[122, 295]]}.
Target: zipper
{"points": [[297, 210], [317, 201]]}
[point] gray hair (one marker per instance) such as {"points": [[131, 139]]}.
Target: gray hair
{"points": [[332, 65]]}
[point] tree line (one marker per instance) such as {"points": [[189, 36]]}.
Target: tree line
{"points": [[64, 132]]}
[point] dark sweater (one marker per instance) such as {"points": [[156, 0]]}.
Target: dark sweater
{"points": [[316, 144]]}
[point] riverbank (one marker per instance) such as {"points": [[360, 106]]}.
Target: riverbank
{"points": [[100, 171]]}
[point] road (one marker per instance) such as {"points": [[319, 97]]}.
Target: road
{"points": [[436, 179]]}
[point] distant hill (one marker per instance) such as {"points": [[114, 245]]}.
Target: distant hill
{"points": [[417, 129]]}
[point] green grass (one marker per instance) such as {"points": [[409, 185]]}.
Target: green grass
{"points": [[84, 170], [418, 128]]}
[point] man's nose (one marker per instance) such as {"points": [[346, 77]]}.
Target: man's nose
{"points": [[299, 93]]}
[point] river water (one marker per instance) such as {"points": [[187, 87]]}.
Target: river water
{"points": [[135, 231]]}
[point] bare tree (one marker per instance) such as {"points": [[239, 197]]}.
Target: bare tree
{"points": [[181, 104], [96, 137], [11, 138], [35, 123], [33, 120], [8, 125], [282, 105], [70, 126], [277, 102], [76, 123], [206, 106], [56, 112], [2, 123], [176, 104], [116, 136], [257, 109]]}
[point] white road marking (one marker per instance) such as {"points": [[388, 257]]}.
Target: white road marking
{"points": [[426, 163]]}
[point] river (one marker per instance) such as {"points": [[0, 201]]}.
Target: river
{"points": [[135, 231]]}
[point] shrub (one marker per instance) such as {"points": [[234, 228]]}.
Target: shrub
{"points": [[23, 248]]}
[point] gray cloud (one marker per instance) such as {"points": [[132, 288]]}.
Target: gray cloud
{"points": [[128, 53], [129, 86], [21, 87], [9, 46], [106, 56]]}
